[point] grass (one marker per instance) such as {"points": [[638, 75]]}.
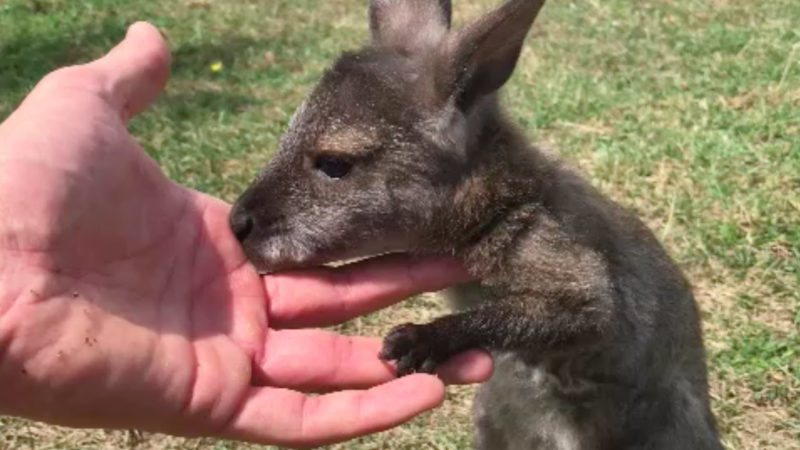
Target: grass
{"points": [[687, 111]]}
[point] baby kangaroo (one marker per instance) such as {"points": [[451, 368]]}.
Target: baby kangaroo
{"points": [[402, 147]]}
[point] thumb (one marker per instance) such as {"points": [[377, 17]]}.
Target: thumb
{"points": [[136, 69]]}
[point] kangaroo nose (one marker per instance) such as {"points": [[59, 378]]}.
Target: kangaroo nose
{"points": [[241, 223]]}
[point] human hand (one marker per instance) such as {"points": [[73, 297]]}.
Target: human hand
{"points": [[126, 302]]}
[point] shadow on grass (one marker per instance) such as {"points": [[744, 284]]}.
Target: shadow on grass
{"points": [[28, 56]]}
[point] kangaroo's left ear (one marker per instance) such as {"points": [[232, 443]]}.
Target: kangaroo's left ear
{"points": [[409, 25], [479, 59]]}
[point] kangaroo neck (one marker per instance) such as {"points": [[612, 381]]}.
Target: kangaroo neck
{"points": [[502, 194]]}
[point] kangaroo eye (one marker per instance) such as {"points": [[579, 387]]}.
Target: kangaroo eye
{"points": [[332, 166]]}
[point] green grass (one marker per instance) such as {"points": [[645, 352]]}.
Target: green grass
{"points": [[687, 111]]}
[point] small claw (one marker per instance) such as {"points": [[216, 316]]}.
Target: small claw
{"points": [[398, 342], [410, 346], [388, 352], [385, 354], [406, 366], [428, 366]]}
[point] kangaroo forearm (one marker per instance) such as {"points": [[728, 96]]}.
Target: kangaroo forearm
{"points": [[511, 327], [536, 326]]}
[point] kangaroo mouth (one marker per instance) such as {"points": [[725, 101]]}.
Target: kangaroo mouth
{"points": [[268, 262], [271, 257], [267, 267], [271, 267]]}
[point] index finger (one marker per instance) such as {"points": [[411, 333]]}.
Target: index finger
{"points": [[285, 417], [326, 296]]}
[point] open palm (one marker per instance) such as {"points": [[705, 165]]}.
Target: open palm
{"points": [[125, 301]]}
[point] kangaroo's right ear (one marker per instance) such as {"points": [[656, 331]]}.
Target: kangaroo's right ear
{"points": [[479, 59], [409, 25]]}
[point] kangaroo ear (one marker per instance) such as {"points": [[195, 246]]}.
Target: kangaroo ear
{"points": [[480, 58], [409, 25]]}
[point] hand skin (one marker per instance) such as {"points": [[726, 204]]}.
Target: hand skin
{"points": [[126, 302]]}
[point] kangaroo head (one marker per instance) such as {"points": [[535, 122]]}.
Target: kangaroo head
{"points": [[374, 159]]}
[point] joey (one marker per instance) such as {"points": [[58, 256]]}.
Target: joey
{"points": [[402, 147]]}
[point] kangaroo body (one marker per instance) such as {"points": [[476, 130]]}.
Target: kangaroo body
{"points": [[637, 377], [600, 345], [402, 147]]}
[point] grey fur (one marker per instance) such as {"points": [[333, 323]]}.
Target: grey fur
{"points": [[595, 331]]}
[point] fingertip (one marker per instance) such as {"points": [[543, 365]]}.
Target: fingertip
{"points": [[418, 392], [451, 264], [472, 366], [445, 268], [151, 38], [141, 26], [137, 68]]}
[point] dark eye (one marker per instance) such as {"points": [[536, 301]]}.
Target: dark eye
{"points": [[332, 166]]}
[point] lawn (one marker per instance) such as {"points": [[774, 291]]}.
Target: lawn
{"points": [[687, 111]]}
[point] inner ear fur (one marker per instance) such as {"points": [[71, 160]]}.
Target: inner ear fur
{"points": [[479, 59]]}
